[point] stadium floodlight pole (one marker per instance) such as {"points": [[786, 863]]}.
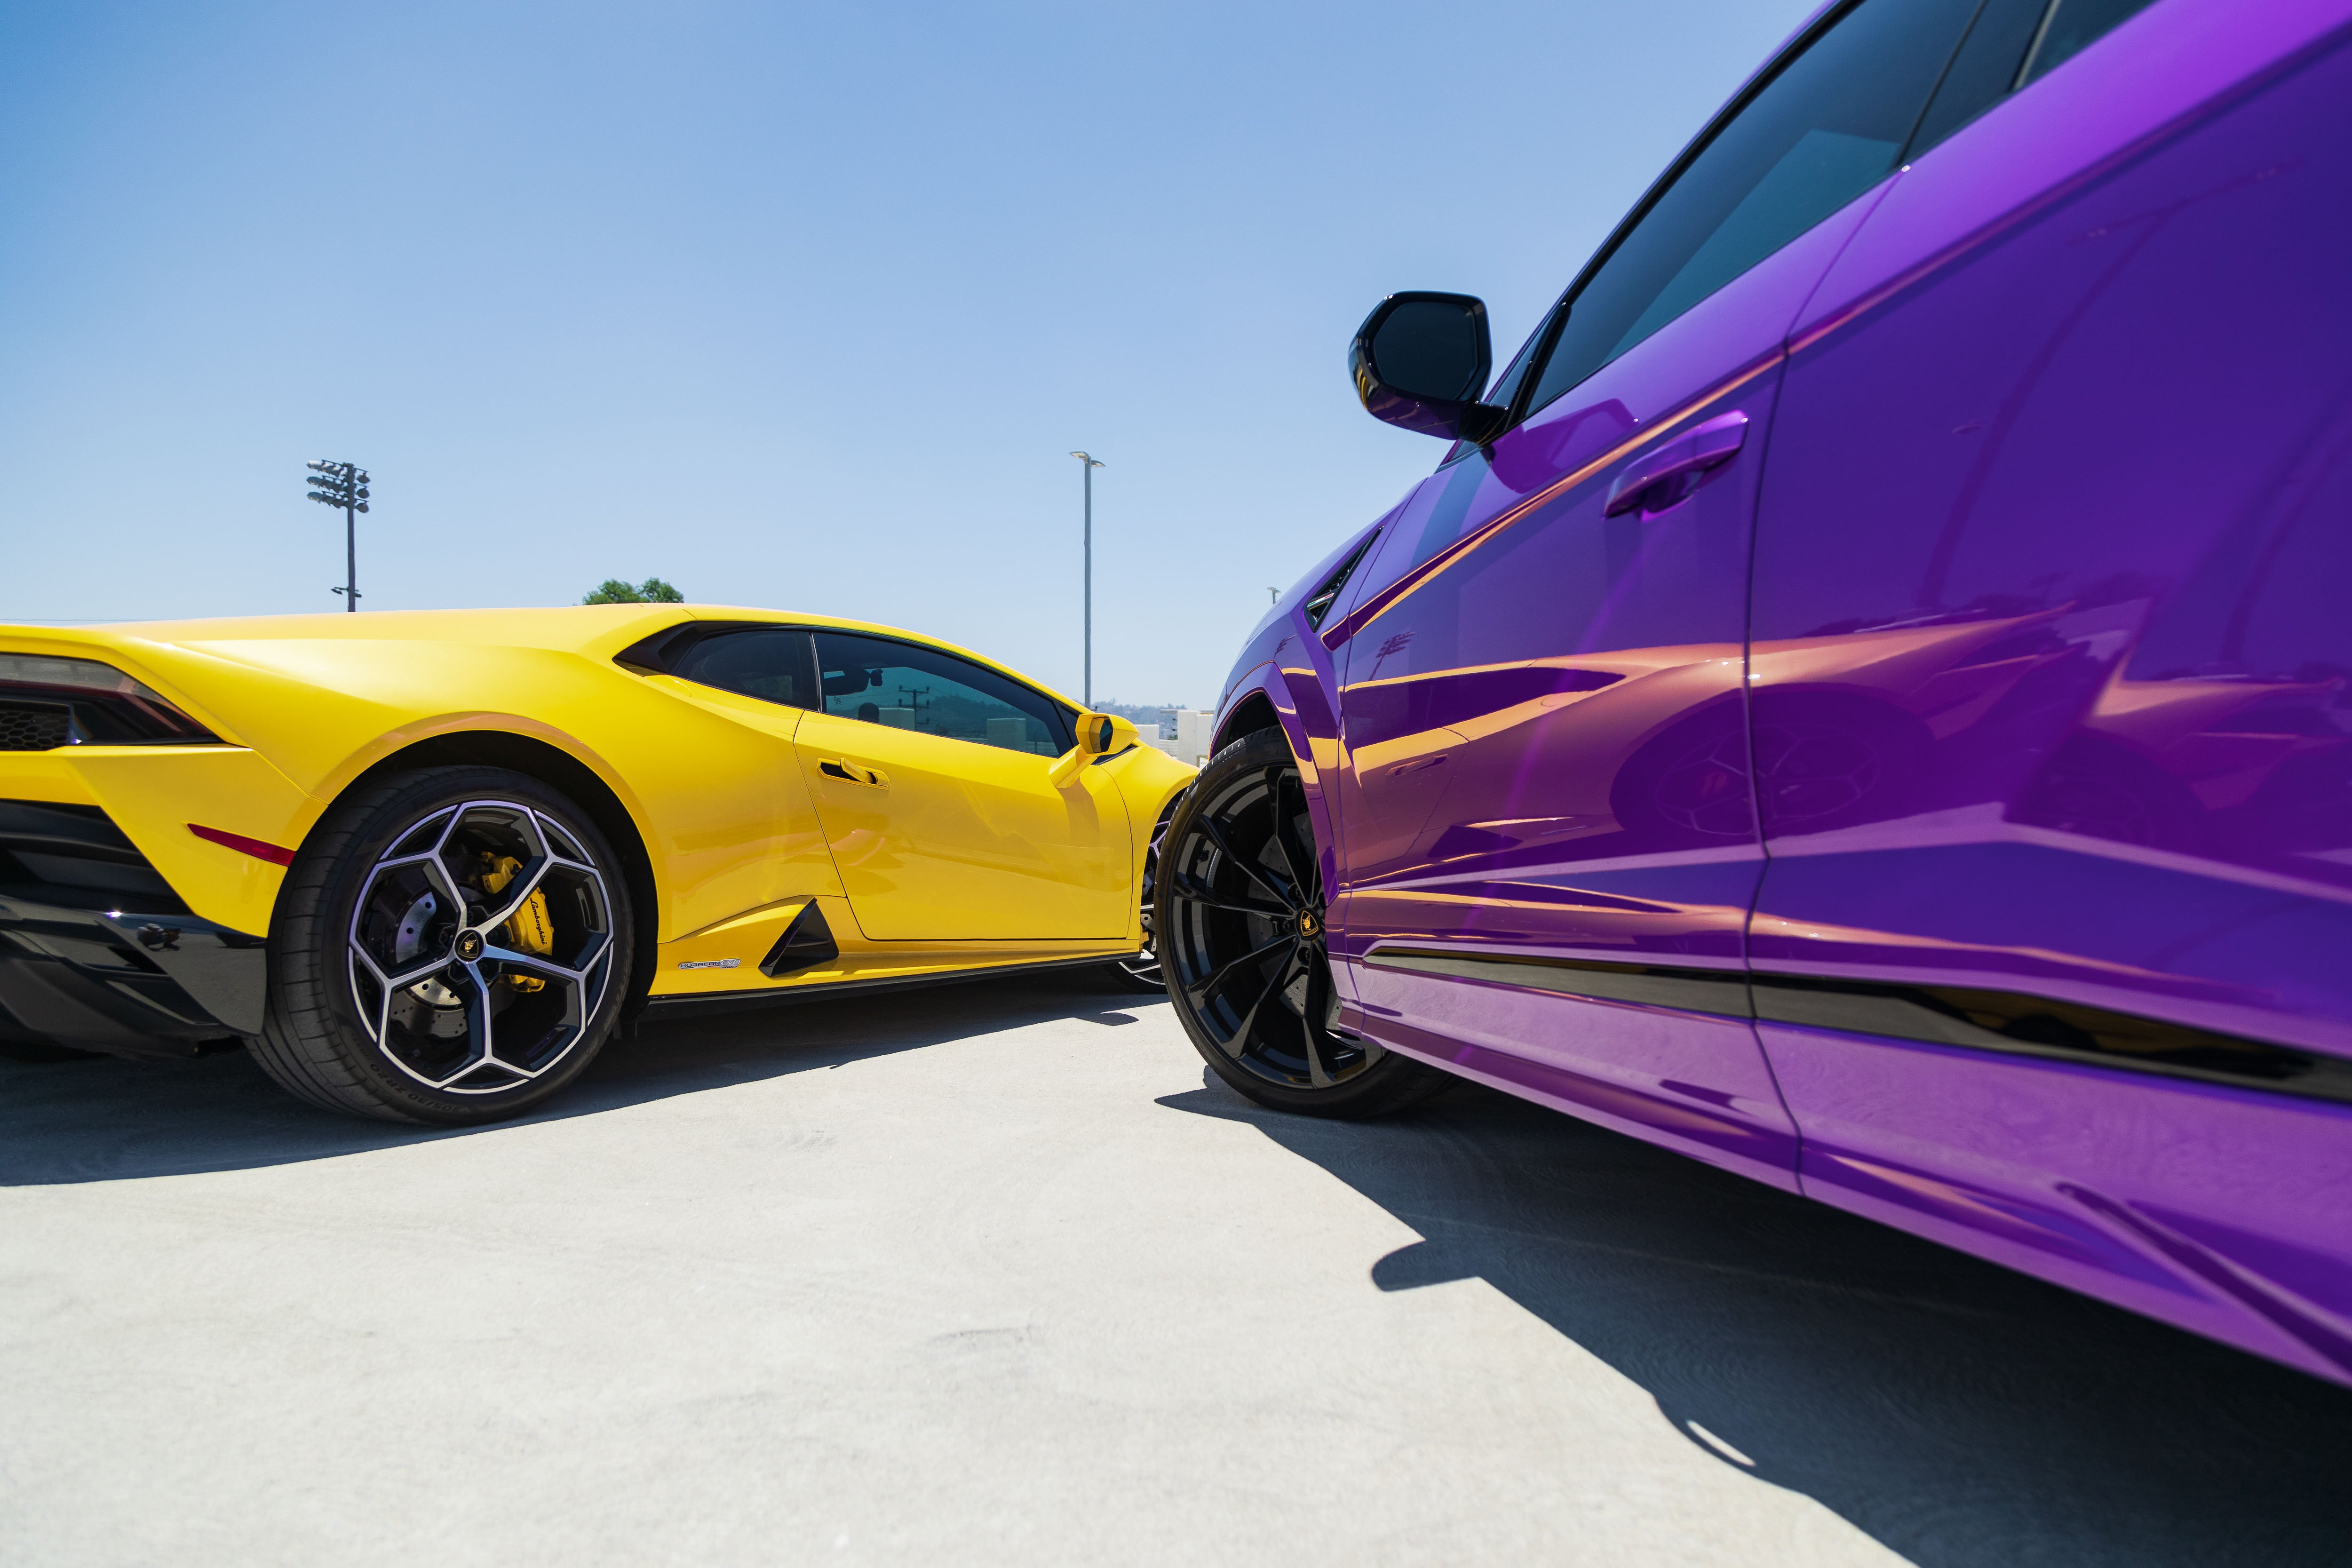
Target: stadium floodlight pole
{"points": [[1086, 694], [344, 485]]}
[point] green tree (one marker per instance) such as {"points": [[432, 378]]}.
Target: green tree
{"points": [[652, 591]]}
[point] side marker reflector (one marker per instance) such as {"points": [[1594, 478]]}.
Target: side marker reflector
{"points": [[244, 846]]}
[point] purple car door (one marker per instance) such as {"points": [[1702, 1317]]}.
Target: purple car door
{"points": [[1548, 846], [2051, 679]]}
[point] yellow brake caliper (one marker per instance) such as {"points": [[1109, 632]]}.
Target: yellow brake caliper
{"points": [[528, 929]]}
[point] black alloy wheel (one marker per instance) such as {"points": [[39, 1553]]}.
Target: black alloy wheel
{"points": [[451, 946], [1141, 972], [1241, 930]]}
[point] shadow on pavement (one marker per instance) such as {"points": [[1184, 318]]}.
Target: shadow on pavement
{"points": [[100, 1119], [1963, 1415]]}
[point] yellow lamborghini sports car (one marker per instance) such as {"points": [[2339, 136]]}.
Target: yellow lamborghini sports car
{"points": [[424, 863]]}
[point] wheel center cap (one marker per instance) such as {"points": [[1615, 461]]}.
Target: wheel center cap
{"points": [[1308, 925], [469, 945]]}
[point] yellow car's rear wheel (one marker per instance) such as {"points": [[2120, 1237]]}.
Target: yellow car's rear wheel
{"points": [[451, 946]]}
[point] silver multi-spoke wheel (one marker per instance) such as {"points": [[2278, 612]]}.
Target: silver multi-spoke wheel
{"points": [[481, 947], [453, 945]]}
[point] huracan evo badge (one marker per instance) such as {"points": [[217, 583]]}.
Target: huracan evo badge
{"points": [[711, 963], [244, 846]]}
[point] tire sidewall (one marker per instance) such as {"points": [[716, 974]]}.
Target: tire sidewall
{"points": [[1387, 1084]]}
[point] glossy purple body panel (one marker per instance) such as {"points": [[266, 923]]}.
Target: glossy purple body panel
{"points": [[2008, 646], [1522, 672], [2217, 1210]]}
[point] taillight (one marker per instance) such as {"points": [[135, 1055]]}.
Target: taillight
{"points": [[46, 703]]}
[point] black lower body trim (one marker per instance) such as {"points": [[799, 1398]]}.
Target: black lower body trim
{"points": [[123, 982], [2013, 1024], [731, 1001], [1717, 992], [2005, 1022], [806, 943]]}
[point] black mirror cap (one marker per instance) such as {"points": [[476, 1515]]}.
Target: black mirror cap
{"points": [[1421, 360]]}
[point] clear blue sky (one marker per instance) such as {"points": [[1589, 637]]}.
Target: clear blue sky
{"points": [[791, 306]]}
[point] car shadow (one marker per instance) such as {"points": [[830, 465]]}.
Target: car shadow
{"points": [[1963, 1415], [101, 1118]]}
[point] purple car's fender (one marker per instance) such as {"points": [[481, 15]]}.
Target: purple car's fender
{"points": [[1287, 676]]}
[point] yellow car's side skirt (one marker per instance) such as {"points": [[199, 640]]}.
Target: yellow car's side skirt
{"points": [[724, 959]]}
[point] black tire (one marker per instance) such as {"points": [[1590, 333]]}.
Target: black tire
{"points": [[495, 1004], [1240, 937], [1142, 973]]}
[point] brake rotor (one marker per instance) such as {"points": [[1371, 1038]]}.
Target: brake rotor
{"points": [[408, 941]]}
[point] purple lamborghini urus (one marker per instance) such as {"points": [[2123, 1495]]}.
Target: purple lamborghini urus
{"points": [[1866, 698]]}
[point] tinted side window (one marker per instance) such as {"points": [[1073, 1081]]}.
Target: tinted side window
{"points": [[1825, 129], [910, 688], [2071, 27], [1984, 70], [2012, 43], [769, 663]]}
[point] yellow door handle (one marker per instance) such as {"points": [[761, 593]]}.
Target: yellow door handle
{"points": [[851, 772]]}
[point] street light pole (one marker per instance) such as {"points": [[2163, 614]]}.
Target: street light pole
{"points": [[343, 485], [1086, 693]]}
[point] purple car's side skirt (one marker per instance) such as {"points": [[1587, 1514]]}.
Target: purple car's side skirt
{"points": [[1965, 1148], [1527, 1041]]}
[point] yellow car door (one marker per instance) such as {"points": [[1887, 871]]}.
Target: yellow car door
{"points": [[933, 780]]}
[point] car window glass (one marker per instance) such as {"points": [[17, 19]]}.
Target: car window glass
{"points": [[907, 687], [2012, 43], [2071, 27], [768, 662], [1825, 129], [1984, 70]]}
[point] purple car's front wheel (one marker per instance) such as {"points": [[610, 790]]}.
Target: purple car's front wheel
{"points": [[1241, 939]]}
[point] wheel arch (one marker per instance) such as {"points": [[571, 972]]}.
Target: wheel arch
{"points": [[558, 769], [1295, 704], [1254, 712]]}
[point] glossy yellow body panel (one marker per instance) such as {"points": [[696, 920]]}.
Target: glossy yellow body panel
{"points": [[938, 839], [973, 862]]}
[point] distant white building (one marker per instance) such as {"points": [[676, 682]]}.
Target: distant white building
{"points": [[1189, 743]]}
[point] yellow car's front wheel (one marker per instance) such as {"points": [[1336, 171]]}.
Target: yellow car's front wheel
{"points": [[451, 946], [1141, 972]]}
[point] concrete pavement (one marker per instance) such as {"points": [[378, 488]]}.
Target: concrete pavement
{"points": [[990, 1274]]}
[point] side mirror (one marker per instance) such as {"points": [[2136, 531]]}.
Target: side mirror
{"points": [[1421, 360], [1099, 735]]}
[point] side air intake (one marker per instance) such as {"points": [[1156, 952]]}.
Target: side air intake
{"points": [[806, 943]]}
